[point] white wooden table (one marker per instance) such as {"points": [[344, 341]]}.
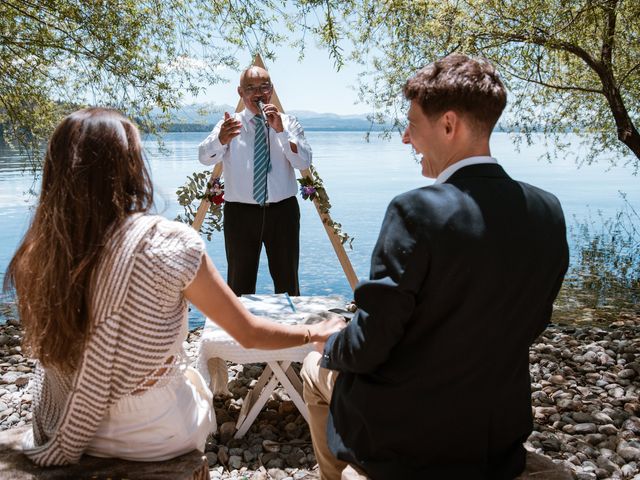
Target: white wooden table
{"points": [[216, 347]]}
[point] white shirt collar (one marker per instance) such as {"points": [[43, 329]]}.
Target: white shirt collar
{"points": [[451, 169]]}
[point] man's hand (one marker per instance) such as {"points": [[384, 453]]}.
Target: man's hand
{"points": [[273, 117], [229, 129]]}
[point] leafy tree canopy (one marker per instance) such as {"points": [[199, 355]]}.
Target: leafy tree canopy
{"points": [[569, 65], [136, 56]]}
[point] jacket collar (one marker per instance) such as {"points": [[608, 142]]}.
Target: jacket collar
{"points": [[483, 170]]}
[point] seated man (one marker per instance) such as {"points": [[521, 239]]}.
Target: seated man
{"points": [[430, 379]]}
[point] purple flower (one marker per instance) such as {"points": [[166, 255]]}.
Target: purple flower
{"points": [[308, 190]]}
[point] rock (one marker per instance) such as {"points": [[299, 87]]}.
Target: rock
{"points": [[235, 462], [629, 453], [292, 430], [295, 458], [227, 430], [607, 464], [267, 457], [627, 373], [632, 407], [21, 381], [287, 407], [275, 463], [541, 467], [276, 474], [600, 417], [248, 456], [608, 429], [271, 446], [583, 428], [633, 425], [212, 458], [551, 444], [595, 438], [582, 417], [586, 476], [223, 455]]}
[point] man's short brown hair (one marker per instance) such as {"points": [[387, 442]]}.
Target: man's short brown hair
{"points": [[468, 86]]}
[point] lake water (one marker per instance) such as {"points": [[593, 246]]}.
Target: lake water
{"points": [[360, 177]]}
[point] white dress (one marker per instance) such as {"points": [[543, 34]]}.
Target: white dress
{"points": [[171, 418]]}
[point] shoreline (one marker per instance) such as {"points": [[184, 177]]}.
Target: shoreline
{"points": [[585, 404]]}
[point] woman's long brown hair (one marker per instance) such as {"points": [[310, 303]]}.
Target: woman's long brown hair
{"points": [[94, 176]]}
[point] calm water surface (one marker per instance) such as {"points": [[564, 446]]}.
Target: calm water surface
{"points": [[361, 178]]}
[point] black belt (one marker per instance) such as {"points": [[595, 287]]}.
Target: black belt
{"points": [[266, 204]]}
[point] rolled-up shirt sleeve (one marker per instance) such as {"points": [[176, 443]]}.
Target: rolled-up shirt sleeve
{"points": [[210, 151], [293, 133]]}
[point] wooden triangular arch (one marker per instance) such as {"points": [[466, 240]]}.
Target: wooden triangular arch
{"points": [[338, 247]]}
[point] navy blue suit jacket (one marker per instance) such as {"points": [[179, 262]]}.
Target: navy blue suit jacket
{"points": [[434, 367]]}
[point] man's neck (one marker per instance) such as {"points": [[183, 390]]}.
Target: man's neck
{"points": [[468, 152], [454, 167]]}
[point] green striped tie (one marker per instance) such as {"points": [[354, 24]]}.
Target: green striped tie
{"points": [[260, 162]]}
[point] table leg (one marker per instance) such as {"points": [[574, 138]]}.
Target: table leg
{"points": [[253, 405], [279, 372], [295, 379]]}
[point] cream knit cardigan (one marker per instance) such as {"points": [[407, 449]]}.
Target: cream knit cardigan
{"points": [[138, 310]]}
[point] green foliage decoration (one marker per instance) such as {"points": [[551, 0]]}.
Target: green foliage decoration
{"points": [[323, 204], [197, 187]]}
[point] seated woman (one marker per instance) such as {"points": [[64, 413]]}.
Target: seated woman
{"points": [[102, 289]]}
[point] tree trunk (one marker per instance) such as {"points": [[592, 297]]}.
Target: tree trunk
{"points": [[627, 132]]}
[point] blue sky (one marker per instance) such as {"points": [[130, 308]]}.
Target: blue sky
{"points": [[312, 84]]}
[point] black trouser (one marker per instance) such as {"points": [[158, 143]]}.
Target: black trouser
{"points": [[246, 228]]}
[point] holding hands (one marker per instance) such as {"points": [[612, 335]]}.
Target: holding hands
{"points": [[322, 326]]}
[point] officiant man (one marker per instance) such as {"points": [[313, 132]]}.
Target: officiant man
{"points": [[259, 148], [431, 377]]}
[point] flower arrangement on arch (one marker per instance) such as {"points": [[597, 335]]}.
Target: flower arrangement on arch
{"points": [[309, 187], [199, 186], [214, 192]]}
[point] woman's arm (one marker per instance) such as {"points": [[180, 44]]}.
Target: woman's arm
{"points": [[213, 297]]}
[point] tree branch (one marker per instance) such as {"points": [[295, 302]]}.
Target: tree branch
{"points": [[551, 85], [553, 44], [624, 77], [606, 51]]}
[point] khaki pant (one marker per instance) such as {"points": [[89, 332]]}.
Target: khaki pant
{"points": [[318, 384]]}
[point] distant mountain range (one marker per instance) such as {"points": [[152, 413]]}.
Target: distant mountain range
{"points": [[203, 117]]}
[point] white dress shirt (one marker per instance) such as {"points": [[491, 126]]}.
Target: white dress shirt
{"points": [[451, 169], [237, 158]]}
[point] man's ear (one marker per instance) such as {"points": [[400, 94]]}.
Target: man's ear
{"points": [[450, 122], [240, 91]]}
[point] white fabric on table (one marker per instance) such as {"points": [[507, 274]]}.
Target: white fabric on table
{"points": [[217, 343]]}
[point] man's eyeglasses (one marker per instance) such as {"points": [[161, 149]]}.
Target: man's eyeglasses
{"points": [[262, 88]]}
